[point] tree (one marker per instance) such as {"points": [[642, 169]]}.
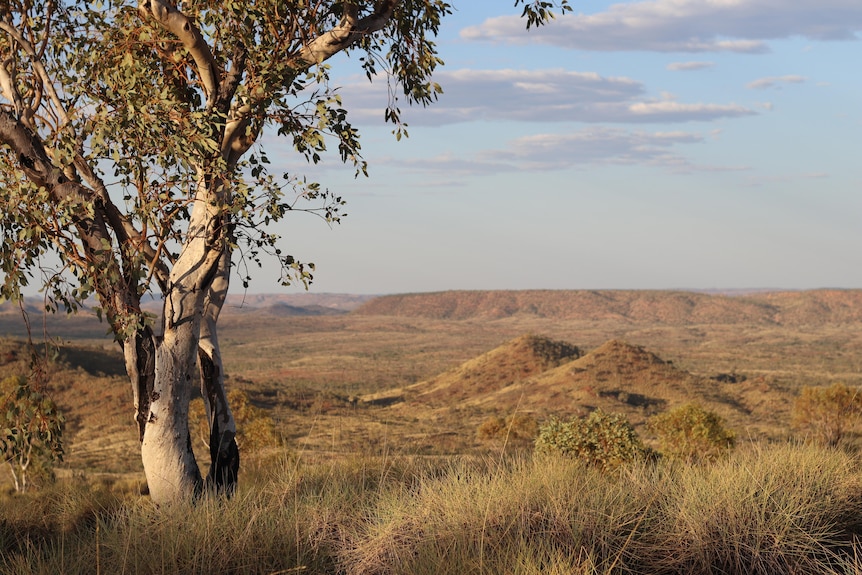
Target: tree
{"points": [[31, 429], [692, 433], [131, 150], [827, 413]]}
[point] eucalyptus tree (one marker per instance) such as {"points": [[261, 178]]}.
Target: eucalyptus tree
{"points": [[131, 151]]}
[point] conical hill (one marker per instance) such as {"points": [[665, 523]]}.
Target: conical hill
{"points": [[510, 363], [617, 377]]}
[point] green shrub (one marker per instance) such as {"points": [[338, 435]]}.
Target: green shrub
{"points": [[827, 413], [692, 433], [606, 440]]}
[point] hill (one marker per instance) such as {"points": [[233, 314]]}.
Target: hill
{"points": [[503, 366], [626, 378], [815, 307], [428, 384], [617, 377]]}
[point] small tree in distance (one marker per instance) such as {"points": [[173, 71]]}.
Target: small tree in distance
{"points": [[31, 430], [691, 433], [827, 413]]}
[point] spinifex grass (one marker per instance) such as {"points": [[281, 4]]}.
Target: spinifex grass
{"points": [[780, 509]]}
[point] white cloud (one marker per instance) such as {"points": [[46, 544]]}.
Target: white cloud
{"points": [[585, 147], [536, 96], [685, 25], [775, 82], [669, 111], [596, 146], [689, 66]]}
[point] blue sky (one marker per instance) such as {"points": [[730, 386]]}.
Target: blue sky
{"points": [[630, 145]]}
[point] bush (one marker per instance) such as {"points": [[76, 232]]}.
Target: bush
{"points": [[606, 440], [691, 433], [520, 426], [827, 413]]}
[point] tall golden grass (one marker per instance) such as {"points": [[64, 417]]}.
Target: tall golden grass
{"points": [[764, 510]]}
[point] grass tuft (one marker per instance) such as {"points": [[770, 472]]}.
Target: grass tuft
{"points": [[776, 509]]}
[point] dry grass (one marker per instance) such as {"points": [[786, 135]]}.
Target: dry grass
{"points": [[409, 489], [786, 509]]}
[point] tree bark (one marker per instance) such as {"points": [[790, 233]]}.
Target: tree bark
{"points": [[224, 453], [166, 450]]}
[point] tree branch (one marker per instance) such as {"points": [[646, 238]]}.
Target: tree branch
{"points": [[7, 82], [239, 135], [348, 32], [232, 79], [127, 234], [182, 27], [38, 67], [120, 301], [235, 140]]}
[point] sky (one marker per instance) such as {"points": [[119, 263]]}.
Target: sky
{"points": [[663, 144]]}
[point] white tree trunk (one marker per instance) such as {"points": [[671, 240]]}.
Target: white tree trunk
{"points": [[166, 449], [14, 476]]}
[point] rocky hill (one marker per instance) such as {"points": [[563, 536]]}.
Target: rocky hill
{"points": [[617, 376], [509, 364], [815, 307]]}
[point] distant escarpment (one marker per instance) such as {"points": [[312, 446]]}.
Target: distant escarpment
{"points": [[814, 307]]}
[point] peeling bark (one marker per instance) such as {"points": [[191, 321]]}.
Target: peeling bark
{"points": [[140, 356], [224, 453]]}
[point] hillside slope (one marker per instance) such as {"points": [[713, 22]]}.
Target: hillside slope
{"points": [[616, 377], [620, 377], [508, 364], [815, 307]]}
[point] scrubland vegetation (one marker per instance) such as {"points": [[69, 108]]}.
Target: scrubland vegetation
{"points": [[384, 445], [776, 509]]}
